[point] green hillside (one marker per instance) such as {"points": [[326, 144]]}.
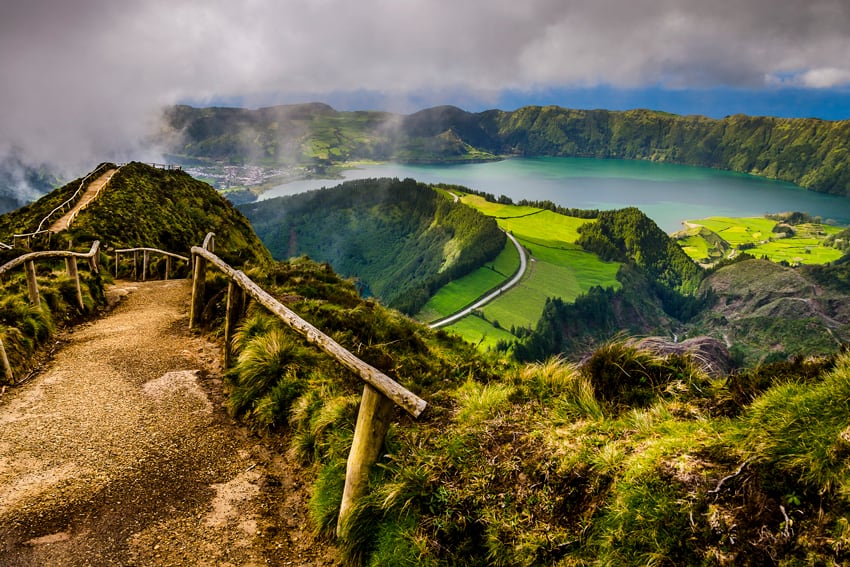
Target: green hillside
{"points": [[768, 312], [141, 206], [146, 206], [559, 269], [636, 456], [402, 239], [169, 209], [811, 153]]}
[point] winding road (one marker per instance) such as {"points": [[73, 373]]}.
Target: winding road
{"points": [[523, 265]]}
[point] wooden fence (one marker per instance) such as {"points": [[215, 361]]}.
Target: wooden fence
{"points": [[65, 206], [29, 260], [146, 252], [380, 392]]}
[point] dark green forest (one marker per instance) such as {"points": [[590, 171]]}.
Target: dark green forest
{"points": [[401, 239]]}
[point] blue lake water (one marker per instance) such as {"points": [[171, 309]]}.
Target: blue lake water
{"points": [[668, 193]]}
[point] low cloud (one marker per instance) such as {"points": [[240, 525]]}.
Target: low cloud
{"points": [[84, 81]]}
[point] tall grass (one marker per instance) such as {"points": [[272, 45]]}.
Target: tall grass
{"points": [[25, 328], [562, 386], [804, 431], [627, 459], [268, 377]]}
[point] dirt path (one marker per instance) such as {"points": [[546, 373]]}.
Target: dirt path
{"points": [[88, 196], [120, 453]]}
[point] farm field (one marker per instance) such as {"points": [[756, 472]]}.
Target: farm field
{"points": [[558, 268], [480, 332], [711, 239], [458, 294], [564, 273]]}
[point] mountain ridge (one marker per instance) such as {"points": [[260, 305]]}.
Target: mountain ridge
{"points": [[809, 152]]}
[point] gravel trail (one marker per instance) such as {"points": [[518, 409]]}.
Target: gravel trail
{"points": [[120, 453]]}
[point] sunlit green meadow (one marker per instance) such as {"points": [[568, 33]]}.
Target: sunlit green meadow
{"points": [[756, 237], [557, 268]]}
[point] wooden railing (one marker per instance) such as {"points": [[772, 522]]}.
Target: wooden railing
{"points": [[380, 392], [70, 202], [146, 252], [67, 205], [28, 260]]}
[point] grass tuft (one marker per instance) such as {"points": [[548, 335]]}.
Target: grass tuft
{"points": [[479, 402]]}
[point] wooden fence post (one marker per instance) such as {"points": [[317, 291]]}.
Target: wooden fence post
{"points": [[136, 265], [167, 266], [199, 282], [117, 257], [145, 260], [373, 421], [7, 368], [32, 284], [235, 300], [71, 267]]}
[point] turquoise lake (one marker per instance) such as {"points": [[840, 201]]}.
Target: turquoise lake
{"points": [[668, 193]]}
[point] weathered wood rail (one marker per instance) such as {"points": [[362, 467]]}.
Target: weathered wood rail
{"points": [[380, 392], [29, 260], [146, 253], [69, 204]]}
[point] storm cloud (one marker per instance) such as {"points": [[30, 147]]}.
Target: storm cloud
{"points": [[84, 81]]}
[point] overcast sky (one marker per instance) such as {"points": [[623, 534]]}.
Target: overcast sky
{"points": [[83, 79]]}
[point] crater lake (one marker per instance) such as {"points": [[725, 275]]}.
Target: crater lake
{"points": [[667, 193]]}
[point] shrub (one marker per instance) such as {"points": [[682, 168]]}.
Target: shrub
{"points": [[623, 375], [268, 376]]}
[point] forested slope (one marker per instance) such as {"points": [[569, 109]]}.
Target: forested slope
{"points": [[402, 239]]}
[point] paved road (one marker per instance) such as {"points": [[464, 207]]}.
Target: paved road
{"points": [[523, 265]]}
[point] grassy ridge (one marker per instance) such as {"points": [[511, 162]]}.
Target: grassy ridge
{"points": [[168, 209]]}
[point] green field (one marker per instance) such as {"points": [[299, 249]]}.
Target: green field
{"points": [[545, 228], [456, 295], [497, 210], [553, 273], [737, 231], [558, 268], [756, 237], [696, 247], [797, 251], [480, 332]]}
